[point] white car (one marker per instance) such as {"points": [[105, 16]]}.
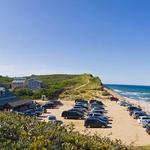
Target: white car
{"points": [[143, 118], [140, 118], [145, 123]]}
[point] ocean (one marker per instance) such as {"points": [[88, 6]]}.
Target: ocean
{"points": [[140, 93]]}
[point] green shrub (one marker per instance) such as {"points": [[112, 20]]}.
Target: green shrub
{"points": [[19, 132], [23, 93], [105, 93]]}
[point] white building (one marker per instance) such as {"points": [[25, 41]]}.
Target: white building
{"points": [[19, 83]]}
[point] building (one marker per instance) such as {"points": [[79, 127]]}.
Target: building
{"points": [[19, 105], [19, 83], [5, 97], [34, 84]]}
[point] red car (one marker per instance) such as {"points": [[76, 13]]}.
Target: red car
{"points": [[114, 99], [148, 130]]}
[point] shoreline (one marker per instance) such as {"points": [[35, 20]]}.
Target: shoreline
{"points": [[143, 104]]}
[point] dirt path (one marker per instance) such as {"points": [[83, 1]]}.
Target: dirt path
{"points": [[82, 85]]}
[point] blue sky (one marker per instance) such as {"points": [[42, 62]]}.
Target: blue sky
{"points": [[108, 38]]}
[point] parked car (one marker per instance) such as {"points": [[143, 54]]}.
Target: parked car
{"points": [[123, 103], [141, 118], [102, 117], [112, 98], [78, 110], [137, 114], [91, 114], [98, 111], [72, 115], [51, 119], [93, 122], [57, 102], [93, 105], [130, 108], [49, 105], [81, 108], [30, 112], [81, 105], [96, 102], [148, 129], [98, 108], [40, 110], [134, 110], [145, 124], [81, 100]]}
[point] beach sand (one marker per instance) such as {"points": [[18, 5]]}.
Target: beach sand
{"points": [[123, 126]]}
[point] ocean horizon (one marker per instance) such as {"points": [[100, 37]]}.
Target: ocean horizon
{"points": [[136, 92]]}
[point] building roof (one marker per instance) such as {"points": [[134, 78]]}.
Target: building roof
{"points": [[19, 103], [6, 100], [19, 80], [8, 97]]}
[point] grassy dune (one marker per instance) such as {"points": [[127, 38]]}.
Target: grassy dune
{"points": [[69, 87], [63, 86]]}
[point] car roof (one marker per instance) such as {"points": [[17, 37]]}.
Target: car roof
{"points": [[51, 116], [137, 112], [95, 113], [95, 118], [98, 110]]}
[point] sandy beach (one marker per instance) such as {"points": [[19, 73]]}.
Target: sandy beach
{"points": [[123, 126]]}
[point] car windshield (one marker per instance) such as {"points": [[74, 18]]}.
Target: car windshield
{"points": [[145, 118], [142, 113], [142, 117], [97, 115]]}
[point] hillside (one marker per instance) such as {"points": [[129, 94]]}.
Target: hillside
{"points": [[5, 81], [68, 87], [20, 132]]}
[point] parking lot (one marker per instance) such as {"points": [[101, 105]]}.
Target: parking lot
{"points": [[123, 126]]}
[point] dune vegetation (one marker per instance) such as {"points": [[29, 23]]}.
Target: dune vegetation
{"points": [[65, 87]]}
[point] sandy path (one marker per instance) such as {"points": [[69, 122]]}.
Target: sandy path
{"points": [[123, 126], [83, 85]]}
